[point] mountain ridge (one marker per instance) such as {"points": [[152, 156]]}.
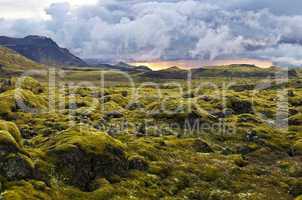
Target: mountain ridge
{"points": [[42, 50]]}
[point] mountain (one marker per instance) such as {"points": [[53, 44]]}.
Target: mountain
{"points": [[42, 50], [11, 60]]}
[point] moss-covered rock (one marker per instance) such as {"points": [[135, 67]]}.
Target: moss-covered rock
{"points": [[138, 162], [20, 100], [197, 145], [8, 143], [29, 190], [295, 120], [12, 129], [297, 147], [6, 84], [28, 83], [299, 198], [239, 106], [16, 167], [178, 111], [81, 154]]}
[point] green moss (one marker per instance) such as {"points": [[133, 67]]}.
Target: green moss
{"points": [[239, 105], [297, 147], [117, 99], [82, 154], [19, 99], [295, 120], [28, 83], [12, 129], [197, 145], [87, 139], [8, 143], [299, 198], [29, 190], [16, 167], [211, 173], [177, 111], [12, 61]]}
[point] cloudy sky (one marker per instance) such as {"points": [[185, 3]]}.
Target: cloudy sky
{"points": [[163, 29]]}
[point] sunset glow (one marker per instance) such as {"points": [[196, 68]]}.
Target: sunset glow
{"points": [[189, 64]]}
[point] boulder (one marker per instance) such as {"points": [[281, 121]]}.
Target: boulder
{"points": [[82, 154], [14, 162], [28, 83], [20, 100], [240, 106]]}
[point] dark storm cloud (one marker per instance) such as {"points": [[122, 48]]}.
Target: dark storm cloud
{"points": [[174, 29]]}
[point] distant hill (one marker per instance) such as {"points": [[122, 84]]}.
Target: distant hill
{"points": [[169, 73], [11, 60], [42, 50], [240, 71], [121, 66], [235, 71]]}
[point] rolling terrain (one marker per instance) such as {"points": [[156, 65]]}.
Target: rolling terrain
{"points": [[149, 141]]}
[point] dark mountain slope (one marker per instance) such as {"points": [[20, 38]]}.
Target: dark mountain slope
{"points": [[41, 49]]}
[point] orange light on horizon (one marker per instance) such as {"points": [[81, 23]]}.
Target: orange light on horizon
{"points": [[189, 64]]}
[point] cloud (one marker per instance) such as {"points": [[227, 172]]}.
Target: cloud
{"points": [[172, 29]]}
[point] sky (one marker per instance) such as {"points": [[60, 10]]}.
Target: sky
{"points": [[156, 30]]}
